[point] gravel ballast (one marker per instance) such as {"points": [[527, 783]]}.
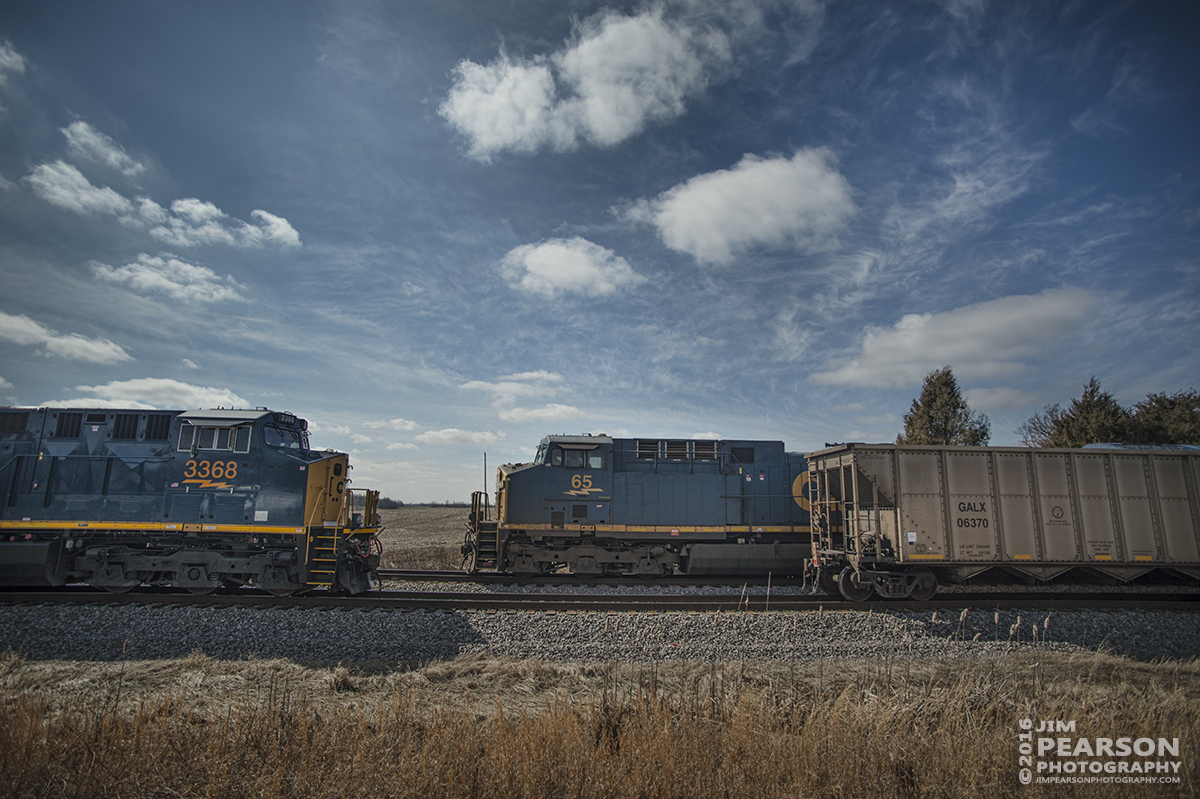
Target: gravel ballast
{"points": [[321, 636]]}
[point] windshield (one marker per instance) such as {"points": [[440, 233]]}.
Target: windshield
{"points": [[283, 437]]}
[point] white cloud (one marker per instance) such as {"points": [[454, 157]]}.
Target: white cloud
{"points": [[453, 435], [392, 424], [63, 185], [800, 202], [401, 445], [188, 363], [509, 388], [172, 277], [190, 222], [153, 392], [25, 331], [4, 383], [87, 143], [196, 222], [617, 75], [10, 61], [989, 340], [568, 266], [551, 412]]}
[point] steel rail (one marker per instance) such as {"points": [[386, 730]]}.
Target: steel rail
{"points": [[592, 603]]}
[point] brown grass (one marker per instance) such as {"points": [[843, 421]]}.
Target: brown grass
{"points": [[479, 727]]}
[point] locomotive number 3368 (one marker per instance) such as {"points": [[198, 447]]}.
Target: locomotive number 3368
{"points": [[211, 469]]}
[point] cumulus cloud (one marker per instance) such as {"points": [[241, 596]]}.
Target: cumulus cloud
{"points": [[988, 340], [194, 222], [551, 412], [172, 277], [568, 266], [800, 202], [86, 143], [4, 383], [618, 74], [63, 185], [152, 392], [25, 331], [453, 435]]}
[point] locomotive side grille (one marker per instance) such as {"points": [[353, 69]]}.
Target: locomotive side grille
{"points": [[69, 425], [579, 512], [13, 422], [647, 450], [158, 427], [677, 450], [705, 450], [125, 427]]}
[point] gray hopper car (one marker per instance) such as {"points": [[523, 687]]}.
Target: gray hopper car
{"points": [[894, 520]]}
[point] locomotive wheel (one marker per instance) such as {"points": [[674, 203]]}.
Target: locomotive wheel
{"points": [[119, 589], [850, 588], [924, 584], [202, 590], [282, 591]]}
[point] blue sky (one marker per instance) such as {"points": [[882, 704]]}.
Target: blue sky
{"points": [[439, 229]]}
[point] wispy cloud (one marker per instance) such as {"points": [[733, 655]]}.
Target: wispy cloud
{"points": [[152, 392], [86, 143], [509, 388], [618, 74], [551, 412], [568, 266], [62, 184], [453, 435], [173, 277], [25, 331], [988, 340], [10, 62], [800, 203]]}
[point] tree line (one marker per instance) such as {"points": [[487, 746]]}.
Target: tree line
{"points": [[941, 416]]}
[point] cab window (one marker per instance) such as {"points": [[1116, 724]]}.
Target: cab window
{"points": [[574, 459], [283, 437]]}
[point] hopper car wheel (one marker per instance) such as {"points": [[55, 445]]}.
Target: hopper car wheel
{"points": [[850, 588], [282, 591], [924, 585], [202, 590], [119, 589]]}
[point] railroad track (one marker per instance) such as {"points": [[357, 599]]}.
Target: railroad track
{"points": [[594, 603], [495, 578]]}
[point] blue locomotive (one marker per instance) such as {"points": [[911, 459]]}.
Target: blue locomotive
{"points": [[602, 505], [194, 499]]}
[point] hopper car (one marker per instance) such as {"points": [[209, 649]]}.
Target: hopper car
{"points": [[893, 521], [195, 499]]}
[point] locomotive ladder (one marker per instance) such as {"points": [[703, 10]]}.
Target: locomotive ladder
{"points": [[486, 533], [320, 562]]}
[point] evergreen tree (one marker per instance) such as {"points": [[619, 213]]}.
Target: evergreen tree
{"points": [[1173, 419], [1095, 418], [941, 416]]}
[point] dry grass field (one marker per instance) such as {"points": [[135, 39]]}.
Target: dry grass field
{"points": [[423, 538], [479, 727]]}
